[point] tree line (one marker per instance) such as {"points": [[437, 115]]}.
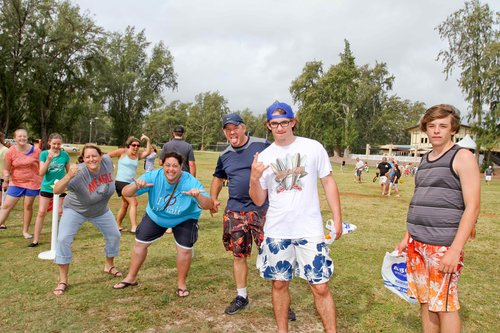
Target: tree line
{"points": [[61, 72]]}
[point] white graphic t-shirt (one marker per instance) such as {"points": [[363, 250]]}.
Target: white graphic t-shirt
{"points": [[292, 185]]}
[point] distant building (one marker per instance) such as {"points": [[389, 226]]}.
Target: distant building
{"points": [[420, 142]]}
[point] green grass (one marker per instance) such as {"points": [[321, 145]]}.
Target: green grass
{"points": [[363, 304]]}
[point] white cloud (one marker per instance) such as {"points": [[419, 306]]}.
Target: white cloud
{"points": [[250, 51]]}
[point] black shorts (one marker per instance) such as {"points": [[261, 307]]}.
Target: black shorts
{"points": [[119, 187], [185, 233], [51, 195]]}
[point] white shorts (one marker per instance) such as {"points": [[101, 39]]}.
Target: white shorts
{"points": [[487, 178], [308, 257], [382, 180]]}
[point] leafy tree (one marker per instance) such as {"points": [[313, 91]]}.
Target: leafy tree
{"points": [[348, 106], [132, 81], [16, 17], [397, 115], [473, 44], [66, 42], [255, 124], [46, 47], [374, 83], [160, 123], [204, 119]]}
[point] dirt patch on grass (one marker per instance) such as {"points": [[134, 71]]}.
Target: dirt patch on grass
{"points": [[358, 195]]}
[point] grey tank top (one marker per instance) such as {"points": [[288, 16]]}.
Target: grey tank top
{"points": [[437, 204]]}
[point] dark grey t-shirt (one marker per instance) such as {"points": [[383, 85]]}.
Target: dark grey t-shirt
{"points": [[89, 194], [182, 148]]}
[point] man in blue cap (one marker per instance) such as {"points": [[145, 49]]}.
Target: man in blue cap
{"points": [[243, 220], [286, 173]]}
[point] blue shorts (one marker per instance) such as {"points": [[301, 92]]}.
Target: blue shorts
{"points": [[308, 257], [16, 191]]}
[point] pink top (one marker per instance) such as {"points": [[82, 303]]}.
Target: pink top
{"points": [[24, 168]]}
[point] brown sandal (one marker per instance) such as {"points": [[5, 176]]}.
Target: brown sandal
{"points": [[60, 291], [115, 273]]}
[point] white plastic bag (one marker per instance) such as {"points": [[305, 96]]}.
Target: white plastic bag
{"points": [[394, 275], [347, 228]]}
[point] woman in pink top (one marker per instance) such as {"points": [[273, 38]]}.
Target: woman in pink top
{"points": [[21, 179]]}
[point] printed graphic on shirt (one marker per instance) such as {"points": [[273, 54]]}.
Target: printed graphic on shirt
{"points": [[169, 203], [288, 171], [56, 167], [100, 184]]}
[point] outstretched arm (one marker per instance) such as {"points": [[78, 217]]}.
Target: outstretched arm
{"points": [[117, 152], [203, 201]]}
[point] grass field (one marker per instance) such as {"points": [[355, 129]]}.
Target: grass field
{"points": [[363, 304]]}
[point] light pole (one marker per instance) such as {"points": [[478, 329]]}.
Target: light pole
{"points": [[91, 122]]}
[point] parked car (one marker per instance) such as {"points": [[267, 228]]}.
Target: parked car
{"points": [[10, 142], [68, 147]]}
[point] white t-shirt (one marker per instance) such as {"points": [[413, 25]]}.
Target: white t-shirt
{"points": [[291, 182]]}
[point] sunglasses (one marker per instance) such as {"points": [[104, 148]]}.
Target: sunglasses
{"points": [[135, 145]]}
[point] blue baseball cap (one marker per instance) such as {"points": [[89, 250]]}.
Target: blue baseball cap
{"points": [[279, 105], [232, 118]]}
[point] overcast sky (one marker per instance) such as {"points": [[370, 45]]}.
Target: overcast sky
{"points": [[250, 51]]}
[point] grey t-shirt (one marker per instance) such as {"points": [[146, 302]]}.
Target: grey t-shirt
{"points": [[89, 194], [182, 148]]}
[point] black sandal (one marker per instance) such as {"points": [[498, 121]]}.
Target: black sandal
{"points": [[124, 284]]}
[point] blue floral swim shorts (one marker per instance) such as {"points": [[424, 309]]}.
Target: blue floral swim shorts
{"points": [[308, 257]]}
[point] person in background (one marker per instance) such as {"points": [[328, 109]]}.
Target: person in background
{"points": [[54, 164], [21, 179], [383, 167], [89, 187], [441, 218], [127, 169], [488, 174], [175, 200], [395, 175], [181, 147], [359, 167], [287, 174], [149, 162], [3, 151]]}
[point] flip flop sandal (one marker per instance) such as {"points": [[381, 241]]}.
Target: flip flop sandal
{"points": [[124, 284], [117, 273], [182, 292], [60, 291]]}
